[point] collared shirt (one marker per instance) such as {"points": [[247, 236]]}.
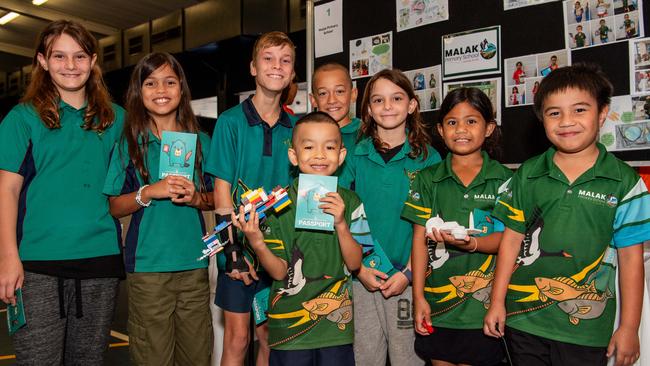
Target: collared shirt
{"points": [[165, 236], [382, 188], [457, 285], [350, 134], [62, 213], [563, 287]]}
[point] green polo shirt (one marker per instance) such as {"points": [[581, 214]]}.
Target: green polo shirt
{"points": [[312, 307], [245, 148], [563, 287], [382, 188], [62, 212], [163, 237], [458, 283], [350, 133]]}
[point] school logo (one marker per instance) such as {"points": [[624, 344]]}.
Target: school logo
{"points": [[415, 195], [612, 201], [598, 197], [488, 50]]}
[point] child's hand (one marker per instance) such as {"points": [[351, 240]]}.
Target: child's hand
{"points": [[333, 205], [395, 285], [246, 277], [421, 314], [160, 190], [250, 228], [440, 236], [11, 277], [183, 189], [368, 277], [494, 322], [624, 345]]}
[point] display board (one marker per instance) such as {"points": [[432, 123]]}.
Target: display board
{"points": [[524, 30]]}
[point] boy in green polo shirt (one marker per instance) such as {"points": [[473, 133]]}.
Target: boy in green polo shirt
{"points": [[310, 308], [249, 144], [332, 92], [579, 199]]}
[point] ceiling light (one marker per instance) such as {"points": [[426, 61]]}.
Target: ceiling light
{"points": [[8, 17], [38, 2]]}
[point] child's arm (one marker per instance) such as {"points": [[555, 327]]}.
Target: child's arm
{"points": [[221, 194], [168, 187], [419, 255], [495, 319], [625, 341], [488, 244], [350, 250], [276, 267], [11, 268]]}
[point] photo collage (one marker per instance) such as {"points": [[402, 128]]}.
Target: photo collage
{"points": [[523, 74], [427, 86], [597, 22]]}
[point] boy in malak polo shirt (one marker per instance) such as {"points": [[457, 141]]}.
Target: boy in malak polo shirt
{"points": [[310, 306], [574, 216]]}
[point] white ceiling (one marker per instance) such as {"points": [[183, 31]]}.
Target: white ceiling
{"points": [[102, 17]]}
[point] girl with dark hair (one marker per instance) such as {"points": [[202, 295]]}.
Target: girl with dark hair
{"points": [[394, 146], [169, 315], [58, 243], [451, 276]]}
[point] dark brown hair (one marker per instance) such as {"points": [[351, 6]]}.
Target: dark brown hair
{"points": [[43, 94], [417, 134], [330, 66]]}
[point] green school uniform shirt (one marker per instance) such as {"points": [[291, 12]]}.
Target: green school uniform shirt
{"points": [[563, 287], [312, 307], [580, 39], [245, 148], [457, 283], [382, 188], [62, 212], [163, 237], [350, 133]]}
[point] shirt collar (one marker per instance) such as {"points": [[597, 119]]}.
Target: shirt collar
{"points": [[489, 170], [64, 105], [351, 127], [254, 118], [606, 166], [366, 147]]}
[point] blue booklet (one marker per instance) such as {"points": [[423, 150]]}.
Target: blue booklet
{"points": [[311, 188], [16, 313], [177, 151]]}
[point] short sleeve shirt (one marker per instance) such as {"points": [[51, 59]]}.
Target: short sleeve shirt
{"points": [[458, 283], [382, 188], [563, 287], [312, 307], [63, 214], [163, 237]]}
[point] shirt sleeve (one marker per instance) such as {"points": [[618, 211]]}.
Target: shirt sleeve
{"points": [[15, 139], [117, 171], [276, 240], [222, 158], [417, 207], [347, 176], [632, 219], [510, 205]]}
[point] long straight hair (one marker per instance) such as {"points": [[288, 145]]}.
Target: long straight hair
{"points": [[139, 121], [43, 94], [417, 134]]}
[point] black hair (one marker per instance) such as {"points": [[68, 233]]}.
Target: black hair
{"points": [[588, 77], [314, 117], [482, 103]]}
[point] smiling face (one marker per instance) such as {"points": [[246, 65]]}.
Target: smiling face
{"points": [[68, 64], [464, 129], [161, 92], [317, 148], [389, 105], [572, 120], [273, 67], [333, 94]]}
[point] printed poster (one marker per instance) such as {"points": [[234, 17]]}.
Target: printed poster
{"points": [[491, 87], [597, 22], [427, 86], [416, 13], [524, 73], [514, 4], [640, 66], [370, 55], [627, 126], [475, 52], [328, 30]]}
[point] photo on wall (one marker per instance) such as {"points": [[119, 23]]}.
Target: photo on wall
{"points": [[627, 126], [639, 58], [491, 88], [524, 73], [514, 4], [416, 13], [369, 55], [427, 86]]}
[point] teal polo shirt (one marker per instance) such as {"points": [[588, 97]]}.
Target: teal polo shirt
{"points": [[62, 213], [563, 287], [383, 187], [165, 236], [350, 134], [437, 190]]}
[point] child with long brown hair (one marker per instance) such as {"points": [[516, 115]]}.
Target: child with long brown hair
{"points": [[58, 243], [164, 234], [394, 146]]}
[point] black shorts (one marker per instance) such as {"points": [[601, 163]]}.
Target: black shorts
{"points": [[336, 355], [467, 346], [235, 296], [531, 350]]}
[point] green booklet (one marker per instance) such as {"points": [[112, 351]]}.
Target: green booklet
{"points": [[16, 313], [177, 151], [311, 188]]}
